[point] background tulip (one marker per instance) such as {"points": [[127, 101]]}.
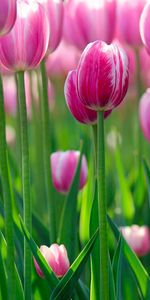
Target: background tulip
{"points": [[144, 113], [56, 257], [145, 25], [7, 15], [102, 76], [32, 28], [55, 13], [63, 167], [86, 21], [128, 17], [138, 238]]}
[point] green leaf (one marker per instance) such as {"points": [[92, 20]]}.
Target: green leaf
{"points": [[19, 288], [111, 283], [147, 175], [3, 279], [140, 273], [126, 196], [47, 271], [65, 287], [116, 265], [68, 223], [82, 291]]}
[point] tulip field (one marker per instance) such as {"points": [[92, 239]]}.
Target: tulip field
{"points": [[74, 150]]}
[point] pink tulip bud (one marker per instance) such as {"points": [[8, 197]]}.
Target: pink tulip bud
{"points": [[86, 21], [63, 167], [55, 13], [78, 110], [145, 25], [10, 95], [144, 114], [7, 15], [102, 76], [128, 17], [26, 44], [138, 238], [56, 65], [56, 257]]}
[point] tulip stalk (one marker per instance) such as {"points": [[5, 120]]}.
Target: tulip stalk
{"points": [[46, 152], [25, 181], [8, 199], [104, 277]]}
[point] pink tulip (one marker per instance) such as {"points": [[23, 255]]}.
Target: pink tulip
{"points": [[145, 25], [128, 17], [56, 65], [56, 257], [7, 15], [26, 44], [138, 238], [55, 13], [102, 76], [78, 110], [144, 114], [10, 95], [86, 21], [63, 167]]}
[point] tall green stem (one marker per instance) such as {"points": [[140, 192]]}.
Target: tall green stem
{"points": [[104, 270], [46, 152], [7, 196], [25, 181]]}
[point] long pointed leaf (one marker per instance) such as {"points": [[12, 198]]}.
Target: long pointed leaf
{"points": [[147, 175]]}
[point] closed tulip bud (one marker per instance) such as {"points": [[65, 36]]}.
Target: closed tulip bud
{"points": [[55, 13], [144, 114], [128, 17], [138, 238], [56, 257], [102, 76], [8, 10], [145, 25], [80, 112], [86, 21], [26, 44], [63, 168]]}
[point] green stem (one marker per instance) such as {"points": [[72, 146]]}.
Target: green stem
{"points": [[104, 269], [46, 153], [8, 200], [25, 181]]}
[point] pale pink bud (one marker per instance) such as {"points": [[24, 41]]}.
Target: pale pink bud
{"points": [[128, 17], [78, 110], [102, 76], [10, 94], [7, 15], [55, 13], [56, 257], [10, 135], [144, 114], [63, 168], [138, 238], [86, 21], [145, 25], [26, 44], [56, 65]]}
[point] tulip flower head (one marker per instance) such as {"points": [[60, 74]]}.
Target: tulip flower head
{"points": [[144, 114], [63, 167], [26, 44], [101, 77], [8, 10], [145, 25], [86, 21], [56, 257], [128, 17], [138, 238], [55, 13]]}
